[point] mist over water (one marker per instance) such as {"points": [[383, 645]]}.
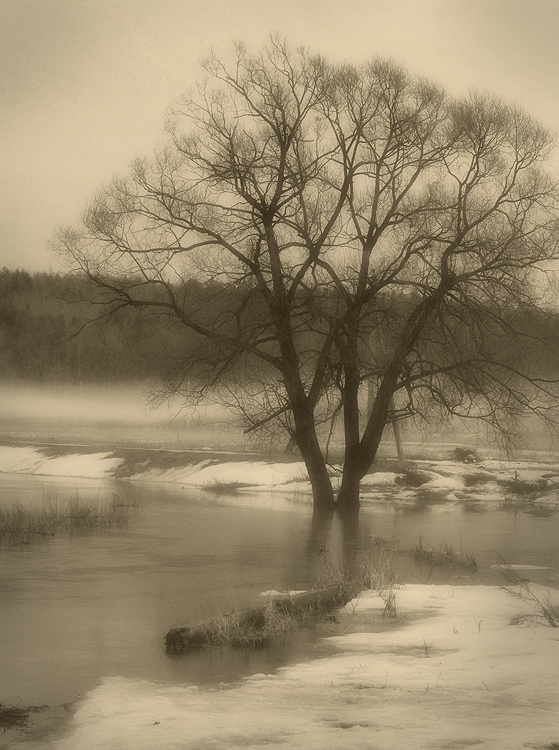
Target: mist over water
{"points": [[124, 414]]}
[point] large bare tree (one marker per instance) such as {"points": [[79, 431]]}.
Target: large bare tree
{"points": [[314, 227]]}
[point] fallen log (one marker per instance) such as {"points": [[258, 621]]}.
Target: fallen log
{"points": [[253, 619]]}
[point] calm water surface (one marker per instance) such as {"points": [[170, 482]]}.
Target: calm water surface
{"points": [[77, 608]]}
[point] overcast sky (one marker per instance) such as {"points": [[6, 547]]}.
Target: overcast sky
{"points": [[84, 84]]}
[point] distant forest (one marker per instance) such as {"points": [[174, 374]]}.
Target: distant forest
{"points": [[44, 337]]}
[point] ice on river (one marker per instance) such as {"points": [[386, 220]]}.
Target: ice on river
{"points": [[450, 673]]}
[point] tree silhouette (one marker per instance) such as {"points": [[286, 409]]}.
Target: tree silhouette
{"points": [[346, 225]]}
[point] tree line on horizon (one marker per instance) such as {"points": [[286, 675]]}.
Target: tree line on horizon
{"points": [[50, 331], [46, 338]]}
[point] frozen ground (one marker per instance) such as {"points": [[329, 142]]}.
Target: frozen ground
{"points": [[450, 673]]}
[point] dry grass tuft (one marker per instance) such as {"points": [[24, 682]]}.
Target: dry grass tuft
{"points": [[271, 624], [372, 567], [547, 613], [23, 525], [445, 557]]}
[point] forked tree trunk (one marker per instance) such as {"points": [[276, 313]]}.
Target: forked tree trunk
{"points": [[359, 455], [359, 460], [355, 468]]}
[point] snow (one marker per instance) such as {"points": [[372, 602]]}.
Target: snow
{"points": [[450, 673], [28, 460], [299, 487], [531, 471], [14, 460], [381, 477], [94, 465], [208, 473], [522, 567], [290, 476], [439, 482]]}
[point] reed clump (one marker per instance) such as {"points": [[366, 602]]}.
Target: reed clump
{"points": [[13, 717], [371, 567], [271, 625], [20, 524], [443, 557]]}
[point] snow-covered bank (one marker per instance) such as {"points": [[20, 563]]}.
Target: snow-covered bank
{"points": [[489, 483], [241, 474], [29, 460], [452, 673], [196, 471]]}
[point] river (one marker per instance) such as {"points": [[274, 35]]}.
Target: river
{"points": [[77, 608]]}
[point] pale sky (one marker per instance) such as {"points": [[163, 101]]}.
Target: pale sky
{"points": [[84, 84]]}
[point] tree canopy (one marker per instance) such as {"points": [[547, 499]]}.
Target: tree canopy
{"points": [[353, 226]]}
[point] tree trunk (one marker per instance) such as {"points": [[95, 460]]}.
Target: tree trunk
{"points": [[358, 462], [311, 453], [323, 494], [348, 496], [398, 437], [352, 549]]}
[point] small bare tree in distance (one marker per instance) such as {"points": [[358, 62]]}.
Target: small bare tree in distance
{"points": [[313, 227]]}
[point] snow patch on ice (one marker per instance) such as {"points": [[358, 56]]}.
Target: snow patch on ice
{"points": [[289, 476], [521, 567], [15, 460]]}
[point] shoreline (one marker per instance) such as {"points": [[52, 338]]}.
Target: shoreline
{"points": [[452, 671], [528, 479]]}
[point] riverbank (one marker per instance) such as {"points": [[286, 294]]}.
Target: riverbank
{"points": [[458, 477]]}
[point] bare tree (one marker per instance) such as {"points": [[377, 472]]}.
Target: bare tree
{"points": [[346, 224]]}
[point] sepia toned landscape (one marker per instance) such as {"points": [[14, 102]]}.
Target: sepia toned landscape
{"points": [[279, 375]]}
